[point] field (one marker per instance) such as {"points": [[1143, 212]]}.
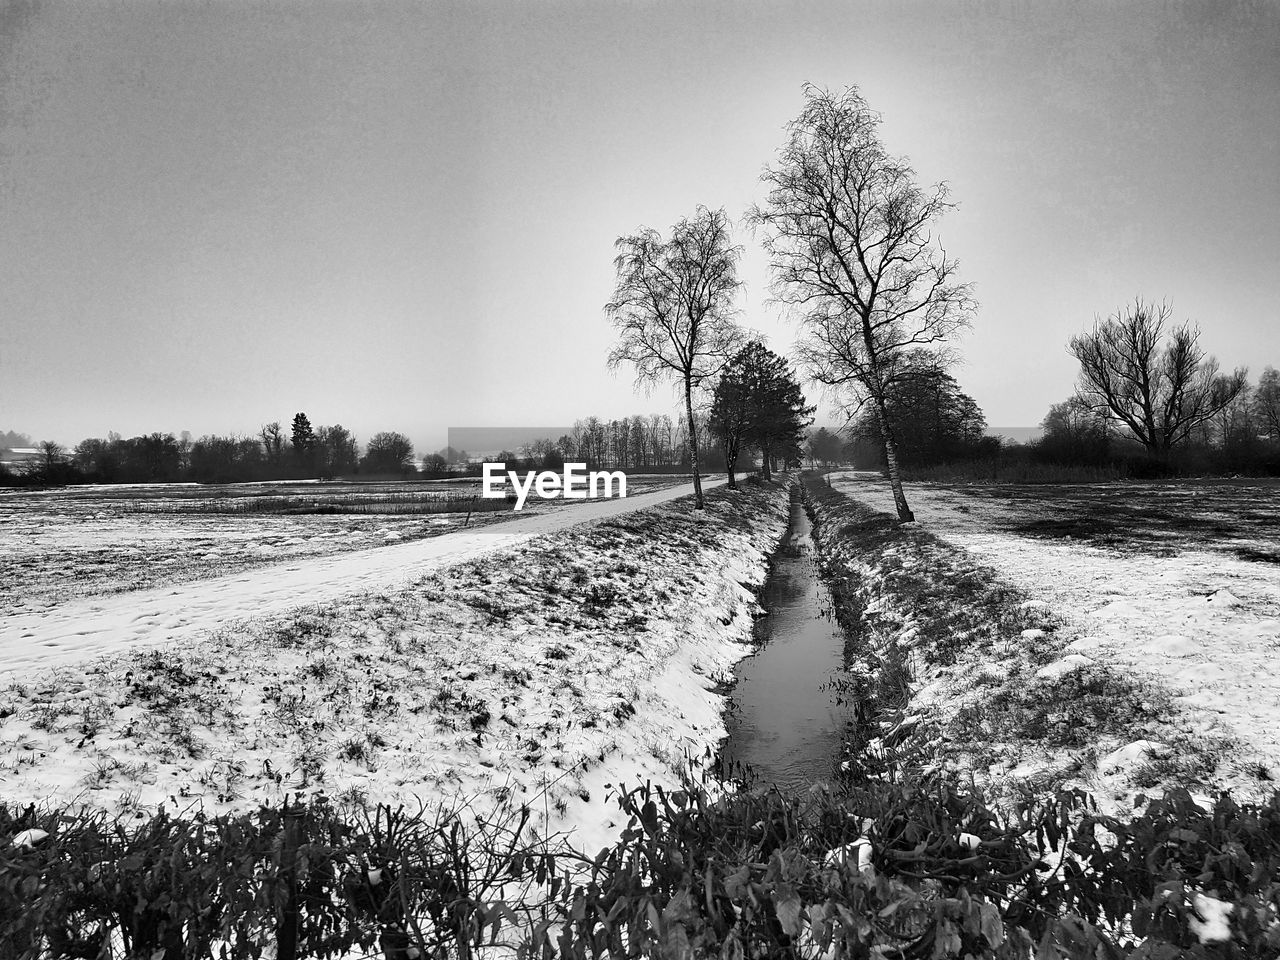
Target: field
{"points": [[76, 542], [1119, 639], [520, 667], [1173, 587]]}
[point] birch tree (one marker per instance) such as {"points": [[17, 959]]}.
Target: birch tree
{"points": [[673, 308], [848, 233]]}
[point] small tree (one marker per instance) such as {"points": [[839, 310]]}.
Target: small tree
{"points": [[1158, 383], [934, 420], [50, 466], [433, 465], [673, 309], [303, 438], [1075, 433], [781, 416], [389, 452], [732, 410], [1266, 404], [336, 452], [272, 438], [759, 402], [825, 447], [849, 236]]}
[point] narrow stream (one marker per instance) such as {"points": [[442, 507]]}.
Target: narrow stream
{"points": [[783, 722]]}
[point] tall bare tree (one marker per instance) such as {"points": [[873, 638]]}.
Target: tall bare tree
{"points": [[673, 308], [272, 438], [848, 233], [1154, 379], [1266, 404]]}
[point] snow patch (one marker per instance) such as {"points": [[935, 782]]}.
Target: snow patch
{"points": [[1060, 668], [1215, 927]]}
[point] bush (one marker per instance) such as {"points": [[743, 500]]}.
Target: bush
{"points": [[913, 869], [310, 880], [888, 868]]}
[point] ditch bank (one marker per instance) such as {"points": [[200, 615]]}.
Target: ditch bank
{"points": [[956, 672], [542, 674], [895, 867]]}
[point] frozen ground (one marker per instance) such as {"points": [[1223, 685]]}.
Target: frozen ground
{"points": [[177, 612], [1174, 583], [76, 542], [539, 663]]}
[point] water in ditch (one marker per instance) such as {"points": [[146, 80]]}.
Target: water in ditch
{"points": [[783, 722]]}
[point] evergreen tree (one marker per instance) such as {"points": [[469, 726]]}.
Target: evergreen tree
{"points": [[936, 422], [304, 442], [825, 447], [758, 403]]}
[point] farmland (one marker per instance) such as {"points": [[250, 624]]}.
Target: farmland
{"points": [[541, 661], [1167, 595], [74, 542], [545, 670]]}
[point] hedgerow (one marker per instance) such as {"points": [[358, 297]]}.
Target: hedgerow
{"points": [[901, 869]]}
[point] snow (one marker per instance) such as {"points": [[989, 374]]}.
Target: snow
{"points": [[546, 664], [28, 838], [1131, 755], [1215, 923], [174, 614], [1060, 668], [1188, 615]]}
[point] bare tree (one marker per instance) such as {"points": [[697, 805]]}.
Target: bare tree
{"points": [[848, 234], [1266, 403], [389, 452], [52, 456], [1158, 383], [673, 308], [272, 442]]}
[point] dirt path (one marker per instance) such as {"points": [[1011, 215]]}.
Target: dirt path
{"points": [[99, 625]]}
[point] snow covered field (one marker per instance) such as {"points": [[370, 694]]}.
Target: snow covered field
{"points": [[1176, 584], [75, 542], [536, 659]]}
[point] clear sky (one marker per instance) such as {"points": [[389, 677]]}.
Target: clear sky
{"points": [[400, 216]]}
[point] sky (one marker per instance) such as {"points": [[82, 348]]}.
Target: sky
{"points": [[401, 216]]}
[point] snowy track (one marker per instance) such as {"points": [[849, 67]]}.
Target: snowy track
{"points": [[174, 614]]}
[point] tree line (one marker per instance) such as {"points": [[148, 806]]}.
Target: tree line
{"points": [[273, 453], [639, 443]]}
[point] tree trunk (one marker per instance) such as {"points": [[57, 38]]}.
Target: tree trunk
{"points": [[730, 458], [693, 445], [891, 464], [765, 457]]}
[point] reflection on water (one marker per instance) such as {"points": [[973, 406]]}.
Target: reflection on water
{"points": [[783, 722]]}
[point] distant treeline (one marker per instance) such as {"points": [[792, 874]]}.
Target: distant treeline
{"points": [[639, 443], [302, 452], [654, 443], [941, 433]]}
